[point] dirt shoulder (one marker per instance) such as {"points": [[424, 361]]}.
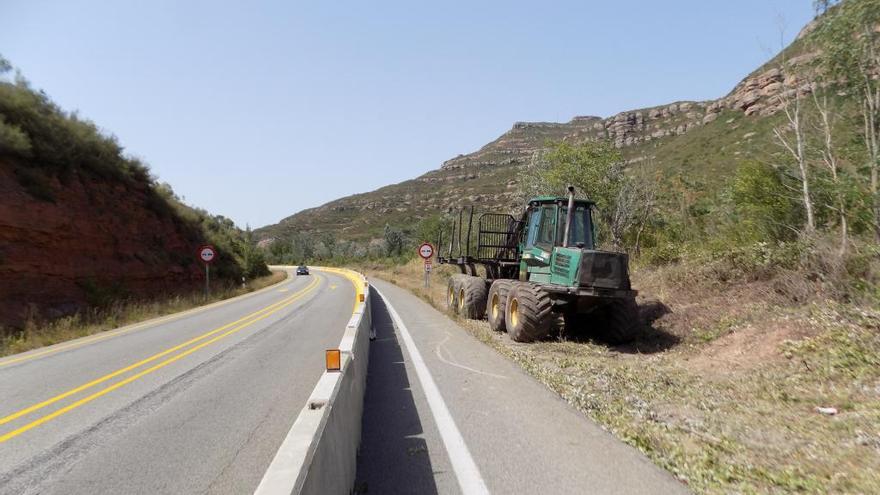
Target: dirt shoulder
{"points": [[725, 387]]}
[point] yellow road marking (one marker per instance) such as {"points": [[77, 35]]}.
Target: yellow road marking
{"points": [[104, 391], [332, 287], [137, 326], [352, 276], [271, 308]]}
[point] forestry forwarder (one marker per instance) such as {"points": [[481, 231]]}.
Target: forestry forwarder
{"points": [[538, 267]]}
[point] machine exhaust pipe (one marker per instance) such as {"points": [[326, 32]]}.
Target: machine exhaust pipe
{"points": [[569, 215]]}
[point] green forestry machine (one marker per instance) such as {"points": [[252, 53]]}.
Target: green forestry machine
{"points": [[538, 267]]}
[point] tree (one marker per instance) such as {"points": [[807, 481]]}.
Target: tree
{"points": [[821, 6], [764, 212], [532, 178], [832, 163], [394, 241], [850, 48], [428, 229], [5, 66], [792, 136], [595, 169]]}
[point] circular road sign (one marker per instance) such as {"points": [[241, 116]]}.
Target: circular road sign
{"points": [[426, 250], [207, 254]]}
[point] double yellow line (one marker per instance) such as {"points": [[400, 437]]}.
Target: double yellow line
{"points": [[137, 326], [206, 339]]}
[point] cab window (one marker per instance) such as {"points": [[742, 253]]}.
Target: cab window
{"points": [[547, 230], [581, 231], [532, 227]]}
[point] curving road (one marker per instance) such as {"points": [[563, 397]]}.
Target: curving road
{"points": [[197, 402]]}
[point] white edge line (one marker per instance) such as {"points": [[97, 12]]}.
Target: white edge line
{"points": [[469, 479]]}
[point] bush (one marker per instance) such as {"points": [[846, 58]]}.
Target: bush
{"points": [[13, 141], [45, 145], [763, 210]]}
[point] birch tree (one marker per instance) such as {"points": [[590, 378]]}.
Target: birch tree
{"points": [[831, 161], [792, 138], [850, 47]]}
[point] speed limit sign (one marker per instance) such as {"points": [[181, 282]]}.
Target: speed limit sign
{"points": [[426, 250], [207, 253]]}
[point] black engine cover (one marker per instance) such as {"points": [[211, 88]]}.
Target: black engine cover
{"points": [[604, 269]]}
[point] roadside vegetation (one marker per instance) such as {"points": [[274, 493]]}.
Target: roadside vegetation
{"points": [[757, 368], [117, 313], [47, 148], [733, 386], [55, 155]]}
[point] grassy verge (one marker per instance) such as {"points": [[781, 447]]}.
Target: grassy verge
{"points": [[722, 389], [35, 335]]}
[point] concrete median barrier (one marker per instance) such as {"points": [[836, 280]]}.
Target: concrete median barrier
{"points": [[319, 454]]}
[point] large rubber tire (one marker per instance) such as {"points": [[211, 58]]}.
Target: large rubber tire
{"points": [[452, 287], [528, 314], [619, 321], [497, 303], [472, 296]]}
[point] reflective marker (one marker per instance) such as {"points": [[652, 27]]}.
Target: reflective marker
{"points": [[334, 359]]}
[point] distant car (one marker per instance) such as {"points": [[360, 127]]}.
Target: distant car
{"points": [[302, 270]]}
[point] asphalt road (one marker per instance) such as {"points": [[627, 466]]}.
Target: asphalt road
{"points": [[195, 403], [444, 413]]}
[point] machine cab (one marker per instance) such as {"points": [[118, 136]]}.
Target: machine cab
{"points": [[545, 226]]}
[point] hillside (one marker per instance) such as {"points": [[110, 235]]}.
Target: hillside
{"points": [[701, 139], [83, 226]]}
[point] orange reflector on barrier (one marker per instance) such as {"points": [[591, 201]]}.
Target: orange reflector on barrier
{"points": [[334, 360], [361, 298]]}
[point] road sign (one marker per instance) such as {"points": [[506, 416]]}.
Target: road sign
{"points": [[427, 265], [207, 253], [426, 250]]}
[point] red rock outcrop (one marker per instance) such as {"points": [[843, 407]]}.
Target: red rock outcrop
{"points": [[96, 239]]}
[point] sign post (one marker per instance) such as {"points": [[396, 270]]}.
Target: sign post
{"points": [[207, 255], [426, 250]]}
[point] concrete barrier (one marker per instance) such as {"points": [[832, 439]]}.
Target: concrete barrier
{"points": [[319, 454]]}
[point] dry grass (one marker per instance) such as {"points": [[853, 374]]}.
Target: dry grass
{"points": [[720, 390], [39, 334]]}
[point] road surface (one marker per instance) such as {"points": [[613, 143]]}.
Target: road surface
{"points": [[193, 403], [444, 413]]}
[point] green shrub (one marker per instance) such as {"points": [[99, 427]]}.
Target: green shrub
{"points": [[13, 141], [763, 208], [663, 254]]}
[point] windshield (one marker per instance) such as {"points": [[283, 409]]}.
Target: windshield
{"points": [[581, 231]]}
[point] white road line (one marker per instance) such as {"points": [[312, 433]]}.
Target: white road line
{"points": [[469, 479]]}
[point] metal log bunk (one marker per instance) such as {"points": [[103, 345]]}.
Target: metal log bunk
{"points": [[497, 240]]}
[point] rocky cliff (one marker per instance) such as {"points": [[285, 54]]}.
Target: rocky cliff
{"points": [[94, 240], [82, 225], [668, 136]]}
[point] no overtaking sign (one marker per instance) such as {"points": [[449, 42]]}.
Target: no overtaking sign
{"points": [[426, 250], [207, 254]]}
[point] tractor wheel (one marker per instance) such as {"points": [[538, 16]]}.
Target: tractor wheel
{"points": [[528, 314], [497, 303], [452, 287], [472, 297], [620, 321]]}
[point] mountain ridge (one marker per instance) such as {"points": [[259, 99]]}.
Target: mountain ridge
{"points": [[475, 177]]}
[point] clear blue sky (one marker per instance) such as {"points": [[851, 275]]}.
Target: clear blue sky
{"points": [[256, 110]]}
